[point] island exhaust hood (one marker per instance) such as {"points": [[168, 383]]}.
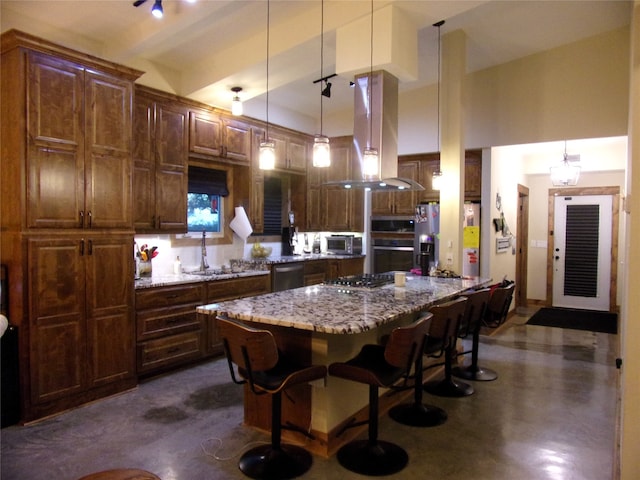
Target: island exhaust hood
{"points": [[383, 130]]}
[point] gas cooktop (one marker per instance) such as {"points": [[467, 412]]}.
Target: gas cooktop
{"points": [[367, 280]]}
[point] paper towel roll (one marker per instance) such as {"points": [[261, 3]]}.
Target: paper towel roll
{"points": [[4, 323], [240, 224]]}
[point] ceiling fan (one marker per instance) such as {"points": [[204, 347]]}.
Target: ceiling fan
{"points": [[156, 10]]}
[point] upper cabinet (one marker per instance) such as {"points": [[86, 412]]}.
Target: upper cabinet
{"points": [[331, 207], [160, 163], [212, 134], [398, 202], [79, 146], [292, 150]]}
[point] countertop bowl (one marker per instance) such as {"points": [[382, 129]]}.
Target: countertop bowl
{"points": [[263, 252]]}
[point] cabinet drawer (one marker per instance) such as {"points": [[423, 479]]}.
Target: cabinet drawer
{"points": [[169, 351], [314, 279], [169, 296], [238, 287], [163, 321]]}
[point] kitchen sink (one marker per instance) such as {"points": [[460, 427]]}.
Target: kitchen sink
{"points": [[208, 273]]}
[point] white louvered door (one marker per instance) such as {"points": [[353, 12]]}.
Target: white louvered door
{"points": [[582, 252]]}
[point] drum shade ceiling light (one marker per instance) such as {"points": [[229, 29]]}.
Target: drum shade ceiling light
{"points": [[565, 174]]}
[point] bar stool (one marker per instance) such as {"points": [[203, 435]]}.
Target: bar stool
{"points": [[472, 322], [441, 341], [498, 306], [416, 413], [379, 366], [121, 474], [255, 354]]}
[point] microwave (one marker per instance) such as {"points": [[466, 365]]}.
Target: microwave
{"points": [[344, 245]]}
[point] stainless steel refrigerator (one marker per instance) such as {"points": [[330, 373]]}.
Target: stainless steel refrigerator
{"points": [[426, 246]]}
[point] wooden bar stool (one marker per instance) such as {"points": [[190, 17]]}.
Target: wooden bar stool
{"points": [[472, 322], [121, 474], [379, 366], [255, 354], [442, 339], [416, 413]]}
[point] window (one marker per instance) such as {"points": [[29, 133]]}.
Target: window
{"points": [[205, 197], [272, 206]]}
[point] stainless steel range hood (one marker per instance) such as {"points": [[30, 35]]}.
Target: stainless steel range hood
{"points": [[378, 122]]}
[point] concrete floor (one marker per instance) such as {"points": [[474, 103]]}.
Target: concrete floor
{"points": [[549, 415]]}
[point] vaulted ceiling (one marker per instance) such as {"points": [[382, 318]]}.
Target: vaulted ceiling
{"points": [[203, 49]]}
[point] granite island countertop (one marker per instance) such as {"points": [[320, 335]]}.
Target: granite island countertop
{"points": [[339, 310]]}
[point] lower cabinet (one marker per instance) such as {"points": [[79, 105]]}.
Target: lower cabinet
{"points": [[168, 330]]}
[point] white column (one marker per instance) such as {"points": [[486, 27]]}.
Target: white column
{"points": [[452, 107]]}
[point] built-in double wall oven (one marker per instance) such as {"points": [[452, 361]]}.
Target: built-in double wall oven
{"points": [[392, 243]]}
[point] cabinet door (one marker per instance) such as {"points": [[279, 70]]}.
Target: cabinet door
{"points": [[473, 175], [144, 164], [55, 161], [205, 133], [337, 200], [426, 174], [297, 153], [109, 309], [404, 202], [279, 140], [171, 168], [56, 318], [108, 165], [237, 141]]}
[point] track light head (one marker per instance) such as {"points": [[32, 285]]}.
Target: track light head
{"points": [[326, 92], [156, 10]]}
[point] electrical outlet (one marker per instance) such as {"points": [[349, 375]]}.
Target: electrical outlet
{"points": [[449, 258]]}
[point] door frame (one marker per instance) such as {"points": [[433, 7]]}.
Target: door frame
{"points": [[615, 219], [522, 243]]}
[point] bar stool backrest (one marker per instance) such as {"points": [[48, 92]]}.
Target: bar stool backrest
{"points": [[498, 306], [474, 311], [444, 326], [405, 343]]}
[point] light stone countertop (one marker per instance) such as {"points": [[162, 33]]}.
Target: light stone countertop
{"points": [[337, 310], [186, 278]]}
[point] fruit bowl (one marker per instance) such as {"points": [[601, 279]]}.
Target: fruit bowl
{"points": [[261, 252]]}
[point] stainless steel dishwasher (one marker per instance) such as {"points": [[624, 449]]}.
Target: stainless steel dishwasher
{"points": [[285, 276]]}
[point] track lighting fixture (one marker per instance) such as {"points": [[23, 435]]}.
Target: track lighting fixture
{"points": [[326, 92], [156, 10], [236, 103]]}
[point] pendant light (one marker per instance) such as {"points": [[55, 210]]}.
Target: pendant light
{"points": [[436, 179], [236, 103], [267, 155], [564, 174], [370, 160], [156, 10], [321, 148]]}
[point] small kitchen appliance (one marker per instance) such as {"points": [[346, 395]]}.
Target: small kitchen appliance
{"points": [[289, 236], [344, 245]]}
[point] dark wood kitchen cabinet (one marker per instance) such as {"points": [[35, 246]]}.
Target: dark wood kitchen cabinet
{"points": [[66, 222], [80, 318], [217, 135], [160, 153], [292, 149], [385, 202], [169, 333], [335, 208], [79, 145]]}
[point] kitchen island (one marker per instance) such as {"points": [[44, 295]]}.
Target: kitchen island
{"points": [[322, 324]]}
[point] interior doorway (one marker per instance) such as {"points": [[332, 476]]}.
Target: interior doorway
{"points": [[522, 242], [582, 254]]}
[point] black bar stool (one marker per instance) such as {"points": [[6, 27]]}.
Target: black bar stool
{"points": [[441, 341], [498, 306], [416, 413], [379, 366], [256, 356], [472, 322]]}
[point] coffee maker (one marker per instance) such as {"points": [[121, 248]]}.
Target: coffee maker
{"points": [[426, 255], [289, 237]]}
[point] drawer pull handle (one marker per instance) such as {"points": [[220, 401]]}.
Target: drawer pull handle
{"points": [[173, 350]]}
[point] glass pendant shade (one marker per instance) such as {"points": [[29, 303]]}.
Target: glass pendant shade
{"points": [[267, 157], [321, 152], [156, 10], [370, 163], [565, 174], [436, 180], [236, 106]]}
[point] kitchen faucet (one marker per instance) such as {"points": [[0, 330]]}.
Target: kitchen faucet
{"points": [[203, 258]]}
